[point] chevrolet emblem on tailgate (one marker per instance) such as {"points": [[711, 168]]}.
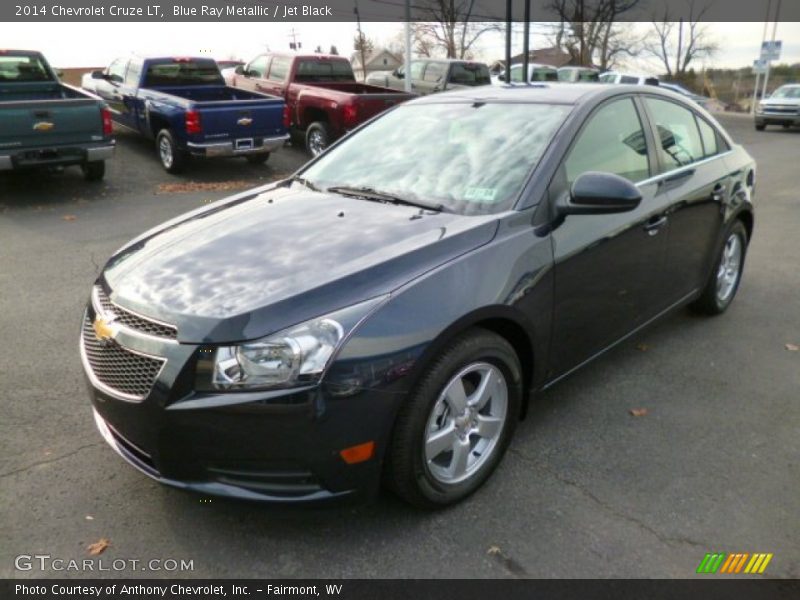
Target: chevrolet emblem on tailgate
{"points": [[43, 126], [103, 331], [244, 121]]}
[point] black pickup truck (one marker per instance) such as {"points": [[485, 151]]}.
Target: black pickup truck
{"points": [[45, 123]]}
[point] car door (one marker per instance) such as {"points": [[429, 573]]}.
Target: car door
{"points": [[254, 73], [274, 81], [607, 267], [108, 88], [131, 112], [697, 182], [433, 78]]}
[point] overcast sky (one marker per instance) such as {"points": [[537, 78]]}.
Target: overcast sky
{"points": [[96, 44]]}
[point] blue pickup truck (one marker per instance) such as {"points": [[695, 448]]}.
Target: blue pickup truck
{"points": [[185, 106]]}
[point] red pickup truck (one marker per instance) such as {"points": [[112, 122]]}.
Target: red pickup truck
{"points": [[325, 101]]}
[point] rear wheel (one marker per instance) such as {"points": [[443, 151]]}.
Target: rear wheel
{"points": [[317, 138], [94, 171], [724, 279], [453, 430], [257, 159], [172, 159]]}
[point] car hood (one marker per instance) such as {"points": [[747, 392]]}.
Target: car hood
{"points": [[253, 264]]}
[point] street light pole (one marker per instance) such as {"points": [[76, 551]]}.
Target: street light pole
{"points": [[769, 61], [407, 68], [758, 74]]}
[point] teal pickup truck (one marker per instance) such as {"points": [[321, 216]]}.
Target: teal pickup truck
{"points": [[45, 123]]}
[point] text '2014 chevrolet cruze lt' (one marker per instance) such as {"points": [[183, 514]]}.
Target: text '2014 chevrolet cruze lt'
{"points": [[386, 313]]}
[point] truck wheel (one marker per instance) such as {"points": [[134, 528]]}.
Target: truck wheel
{"points": [[257, 159], [93, 171], [172, 159], [317, 138]]}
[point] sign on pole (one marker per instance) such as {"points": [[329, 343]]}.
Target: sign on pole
{"points": [[759, 66], [771, 50]]}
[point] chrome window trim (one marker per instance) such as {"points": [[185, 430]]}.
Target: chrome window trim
{"points": [[98, 308], [688, 167]]}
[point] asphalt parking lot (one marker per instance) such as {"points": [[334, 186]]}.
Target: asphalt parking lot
{"points": [[586, 490]]}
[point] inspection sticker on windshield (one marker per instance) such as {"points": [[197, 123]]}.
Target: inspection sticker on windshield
{"points": [[479, 194]]}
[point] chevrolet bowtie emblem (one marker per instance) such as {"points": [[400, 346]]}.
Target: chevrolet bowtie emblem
{"points": [[43, 126], [245, 121], [103, 330]]}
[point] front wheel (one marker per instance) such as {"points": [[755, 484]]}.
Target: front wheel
{"points": [[172, 159], [94, 171], [454, 428], [318, 138], [724, 279]]}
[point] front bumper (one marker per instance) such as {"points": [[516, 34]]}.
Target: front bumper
{"points": [[275, 446], [239, 147], [22, 158], [775, 118]]}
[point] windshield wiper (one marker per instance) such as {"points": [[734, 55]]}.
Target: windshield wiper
{"points": [[369, 193], [303, 181]]}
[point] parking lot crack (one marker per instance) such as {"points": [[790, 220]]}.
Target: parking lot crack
{"points": [[604, 505], [49, 460]]}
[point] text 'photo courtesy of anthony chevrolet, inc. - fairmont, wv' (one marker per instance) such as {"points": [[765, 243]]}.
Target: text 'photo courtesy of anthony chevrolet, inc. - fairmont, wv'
{"points": [[399, 298]]}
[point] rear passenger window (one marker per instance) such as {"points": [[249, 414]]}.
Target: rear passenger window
{"points": [[629, 79], [708, 136], [279, 68], [134, 73], [677, 129], [613, 142], [416, 69]]}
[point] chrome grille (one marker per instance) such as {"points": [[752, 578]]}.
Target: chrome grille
{"points": [[131, 320], [123, 372]]}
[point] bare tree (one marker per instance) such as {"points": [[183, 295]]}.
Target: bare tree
{"points": [[333, 51], [677, 43], [448, 24], [363, 47], [589, 32]]}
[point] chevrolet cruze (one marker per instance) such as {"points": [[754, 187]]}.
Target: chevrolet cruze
{"points": [[386, 313]]}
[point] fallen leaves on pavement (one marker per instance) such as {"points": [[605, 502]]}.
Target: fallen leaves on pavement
{"points": [[642, 347], [69, 218], [793, 347], [196, 186], [98, 547], [638, 412]]}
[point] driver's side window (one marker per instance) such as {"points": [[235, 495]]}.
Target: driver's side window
{"points": [[613, 141], [416, 69], [258, 67], [116, 72]]}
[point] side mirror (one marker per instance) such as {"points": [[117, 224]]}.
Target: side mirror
{"points": [[240, 70], [595, 193], [98, 75], [399, 74], [60, 74]]}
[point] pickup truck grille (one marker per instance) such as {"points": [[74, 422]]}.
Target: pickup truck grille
{"points": [[124, 372], [131, 320], [782, 110]]}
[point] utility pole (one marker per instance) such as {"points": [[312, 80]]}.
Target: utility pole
{"points": [[294, 44], [758, 74], [526, 33], [769, 62], [509, 20], [360, 41], [407, 69]]}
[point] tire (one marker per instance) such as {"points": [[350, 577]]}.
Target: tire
{"points": [[423, 472], [318, 137], [257, 159], [171, 158], [787, 125], [94, 171], [718, 292], [761, 127]]}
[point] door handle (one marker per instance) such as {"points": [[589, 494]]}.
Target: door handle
{"points": [[655, 224]]}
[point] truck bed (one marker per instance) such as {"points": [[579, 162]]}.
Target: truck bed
{"points": [[211, 93], [353, 88]]}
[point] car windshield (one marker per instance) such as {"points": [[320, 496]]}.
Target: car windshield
{"points": [[22, 68], [470, 158], [787, 92]]}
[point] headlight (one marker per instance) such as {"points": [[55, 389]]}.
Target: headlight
{"points": [[760, 107], [293, 357]]}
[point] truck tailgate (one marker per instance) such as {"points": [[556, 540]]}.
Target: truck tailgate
{"points": [[49, 123], [370, 105], [237, 119]]}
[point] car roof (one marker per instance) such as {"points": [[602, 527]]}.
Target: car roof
{"points": [[544, 93]]}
